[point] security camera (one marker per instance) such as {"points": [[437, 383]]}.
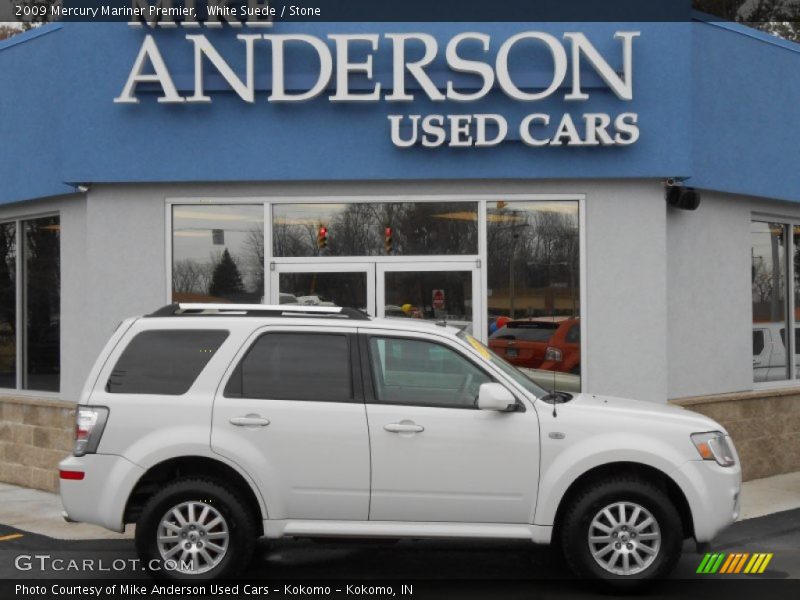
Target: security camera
{"points": [[680, 196], [672, 181], [83, 188]]}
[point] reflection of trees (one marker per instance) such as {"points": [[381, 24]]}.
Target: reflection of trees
{"points": [[8, 299], [533, 252], [43, 297], [193, 276], [418, 228]]}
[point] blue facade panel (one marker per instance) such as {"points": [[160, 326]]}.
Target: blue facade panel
{"points": [[746, 112], [713, 104]]}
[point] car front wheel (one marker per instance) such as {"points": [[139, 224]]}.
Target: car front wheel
{"points": [[195, 529], [624, 531]]}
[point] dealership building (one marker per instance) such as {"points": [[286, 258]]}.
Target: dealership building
{"points": [[542, 173]]}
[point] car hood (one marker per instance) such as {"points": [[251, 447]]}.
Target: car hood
{"points": [[622, 409]]}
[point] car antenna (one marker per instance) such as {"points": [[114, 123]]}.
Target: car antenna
{"points": [[553, 396]]}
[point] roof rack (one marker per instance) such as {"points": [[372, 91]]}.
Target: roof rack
{"points": [[258, 310]]}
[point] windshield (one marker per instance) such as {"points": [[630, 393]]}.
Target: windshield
{"points": [[510, 370]]}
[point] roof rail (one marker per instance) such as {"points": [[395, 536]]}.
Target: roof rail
{"points": [[258, 310]]}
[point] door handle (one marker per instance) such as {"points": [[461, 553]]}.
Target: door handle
{"points": [[249, 421], [404, 428]]}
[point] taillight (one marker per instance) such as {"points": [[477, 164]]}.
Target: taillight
{"points": [[552, 354], [89, 424]]}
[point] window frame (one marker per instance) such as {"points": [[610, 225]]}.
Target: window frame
{"points": [[20, 276], [467, 194], [370, 385], [789, 223], [354, 363]]}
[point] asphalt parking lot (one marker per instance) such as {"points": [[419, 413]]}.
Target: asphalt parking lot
{"points": [[499, 565]]}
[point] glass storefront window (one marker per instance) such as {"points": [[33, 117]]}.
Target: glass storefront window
{"points": [[533, 296], [8, 305], [42, 293], [375, 229], [30, 337], [770, 302], [218, 253]]}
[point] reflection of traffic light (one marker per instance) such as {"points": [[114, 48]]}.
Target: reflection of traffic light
{"points": [[387, 240], [322, 237]]}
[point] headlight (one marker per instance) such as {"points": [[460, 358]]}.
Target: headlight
{"points": [[714, 445]]}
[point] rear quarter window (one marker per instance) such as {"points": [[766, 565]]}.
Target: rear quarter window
{"points": [[164, 362]]}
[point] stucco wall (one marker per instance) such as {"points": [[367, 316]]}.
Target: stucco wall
{"points": [[710, 311]]}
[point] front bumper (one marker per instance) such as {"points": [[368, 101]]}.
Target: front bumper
{"points": [[101, 496], [713, 493]]}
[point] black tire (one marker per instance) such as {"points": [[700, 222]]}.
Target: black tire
{"points": [[239, 521], [575, 528]]}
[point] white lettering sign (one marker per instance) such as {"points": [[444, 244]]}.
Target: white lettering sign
{"points": [[340, 56]]}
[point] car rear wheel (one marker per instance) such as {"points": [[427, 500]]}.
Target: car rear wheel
{"points": [[195, 529], [623, 531]]}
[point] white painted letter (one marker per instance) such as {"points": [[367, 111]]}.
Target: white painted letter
{"points": [[456, 63], [559, 65], [621, 86], [202, 47], [344, 67], [417, 70], [525, 129], [396, 120], [325, 67], [627, 128], [480, 130], [149, 51]]}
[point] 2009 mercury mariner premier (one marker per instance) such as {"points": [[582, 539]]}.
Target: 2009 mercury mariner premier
{"points": [[212, 425]]}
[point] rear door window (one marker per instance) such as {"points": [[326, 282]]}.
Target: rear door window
{"points": [[164, 362], [295, 366]]}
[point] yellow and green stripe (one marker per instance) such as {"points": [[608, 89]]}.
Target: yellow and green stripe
{"points": [[734, 563]]}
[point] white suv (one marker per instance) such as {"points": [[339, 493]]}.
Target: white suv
{"points": [[212, 425]]}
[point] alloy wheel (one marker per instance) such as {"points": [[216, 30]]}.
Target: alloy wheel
{"points": [[624, 538]]}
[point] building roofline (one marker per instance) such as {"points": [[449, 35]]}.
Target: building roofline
{"points": [[745, 30], [31, 34]]}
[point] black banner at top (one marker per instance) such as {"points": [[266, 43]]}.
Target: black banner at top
{"points": [[205, 11]]}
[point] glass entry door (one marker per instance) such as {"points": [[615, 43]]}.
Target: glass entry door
{"points": [[329, 284], [434, 291]]}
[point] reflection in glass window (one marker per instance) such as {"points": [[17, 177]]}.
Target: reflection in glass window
{"points": [[276, 367], [42, 293], [769, 296], [218, 253], [431, 295], [165, 362], [324, 289], [421, 373], [533, 298], [375, 229], [8, 305]]}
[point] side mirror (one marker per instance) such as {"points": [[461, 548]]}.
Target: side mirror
{"points": [[493, 396]]}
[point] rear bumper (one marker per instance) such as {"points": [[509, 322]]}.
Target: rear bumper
{"points": [[713, 493], [101, 496]]}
